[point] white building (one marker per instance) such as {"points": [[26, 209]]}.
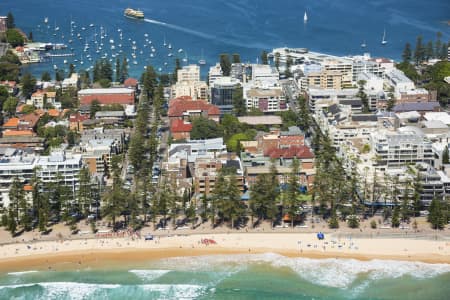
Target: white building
{"points": [[189, 84], [16, 163], [215, 72], [398, 80], [265, 74], [266, 99]]}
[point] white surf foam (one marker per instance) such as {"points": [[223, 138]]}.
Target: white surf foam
{"points": [[149, 275], [339, 273], [65, 290], [21, 273], [178, 291]]}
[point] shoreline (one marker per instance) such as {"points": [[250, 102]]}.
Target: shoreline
{"points": [[111, 252]]}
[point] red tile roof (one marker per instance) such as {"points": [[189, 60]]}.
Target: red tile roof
{"points": [[291, 152], [18, 133], [77, 118], [53, 112], [13, 122], [130, 82], [180, 126], [30, 120], [108, 99], [180, 105]]}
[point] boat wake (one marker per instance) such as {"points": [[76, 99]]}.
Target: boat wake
{"points": [[182, 29], [207, 36]]}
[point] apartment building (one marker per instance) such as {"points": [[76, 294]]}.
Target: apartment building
{"points": [[402, 147], [59, 167], [267, 100]]}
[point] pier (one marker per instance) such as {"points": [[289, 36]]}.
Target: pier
{"points": [[58, 54]]}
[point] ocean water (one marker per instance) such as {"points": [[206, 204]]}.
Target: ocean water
{"points": [[234, 26], [262, 276]]}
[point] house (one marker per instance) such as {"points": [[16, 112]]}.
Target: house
{"points": [[117, 116], [11, 86], [76, 122], [131, 83], [185, 108], [42, 98], [180, 129], [71, 82], [107, 96]]}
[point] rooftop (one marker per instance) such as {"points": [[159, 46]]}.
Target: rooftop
{"points": [[261, 120]]}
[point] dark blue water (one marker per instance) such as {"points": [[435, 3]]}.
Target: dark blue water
{"points": [[234, 26]]}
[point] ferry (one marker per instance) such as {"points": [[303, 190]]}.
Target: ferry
{"points": [[133, 14]]}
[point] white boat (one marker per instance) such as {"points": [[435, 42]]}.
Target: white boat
{"points": [[363, 45], [383, 41], [180, 50], [305, 17], [169, 46], [91, 25], [46, 20], [202, 61]]}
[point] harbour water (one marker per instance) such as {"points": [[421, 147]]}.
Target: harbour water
{"points": [[259, 276], [245, 27]]}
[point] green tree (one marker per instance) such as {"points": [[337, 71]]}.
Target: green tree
{"points": [[9, 106], [406, 56], [95, 107], [445, 156], [429, 51], [289, 63], [236, 58], [294, 201], [363, 96], [436, 216], [16, 196], [264, 57], [115, 197], [333, 223], [118, 69], [10, 21], [46, 76], [396, 215], [4, 94], [71, 70], [391, 100], [124, 70], [149, 81], [59, 75], [27, 109], [438, 45], [14, 37], [419, 51], [263, 195], [239, 106], [203, 128], [277, 60], [30, 36], [28, 84], [175, 71], [84, 193], [225, 64], [304, 116]]}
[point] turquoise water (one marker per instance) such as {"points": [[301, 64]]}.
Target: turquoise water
{"points": [[233, 26], [264, 276]]}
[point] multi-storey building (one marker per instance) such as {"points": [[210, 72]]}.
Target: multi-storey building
{"points": [[266, 100], [401, 148], [59, 166], [222, 93]]}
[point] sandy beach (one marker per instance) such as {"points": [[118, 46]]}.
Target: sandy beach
{"points": [[98, 251]]}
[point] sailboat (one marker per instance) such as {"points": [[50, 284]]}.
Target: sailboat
{"points": [[305, 17], [383, 41], [202, 61], [363, 45]]}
